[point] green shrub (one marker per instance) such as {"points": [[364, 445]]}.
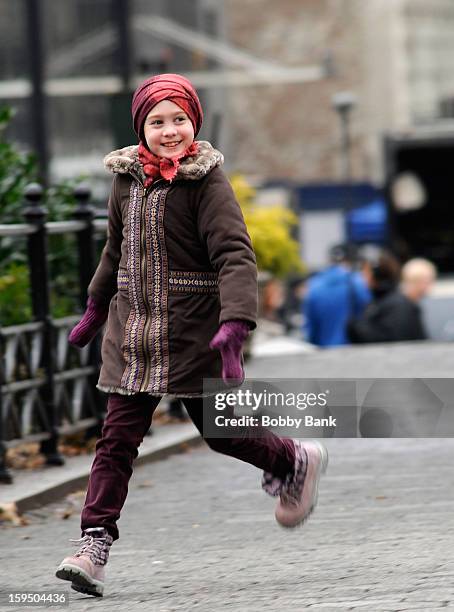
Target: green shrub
{"points": [[17, 170], [15, 304]]}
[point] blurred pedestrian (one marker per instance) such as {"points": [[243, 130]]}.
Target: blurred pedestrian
{"points": [[394, 314], [273, 300], [177, 283], [290, 312], [418, 277], [333, 296]]}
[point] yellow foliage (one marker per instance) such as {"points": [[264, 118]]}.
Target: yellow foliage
{"points": [[244, 192], [270, 230]]}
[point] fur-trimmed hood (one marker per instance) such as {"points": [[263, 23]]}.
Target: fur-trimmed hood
{"points": [[195, 167]]}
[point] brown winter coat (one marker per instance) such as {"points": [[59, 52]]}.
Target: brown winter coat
{"points": [[178, 262]]}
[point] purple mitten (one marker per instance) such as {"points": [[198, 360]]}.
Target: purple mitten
{"points": [[229, 340], [94, 318]]}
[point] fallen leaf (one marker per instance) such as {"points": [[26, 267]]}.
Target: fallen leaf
{"points": [[66, 514], [8, 512], [144, 484]]}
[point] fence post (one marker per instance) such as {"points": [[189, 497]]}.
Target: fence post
{"points": [[35, 214], [85, 240], [5, 475], [86, 246]]}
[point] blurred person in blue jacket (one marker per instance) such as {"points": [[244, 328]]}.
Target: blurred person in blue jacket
{"points": [[333, 297]]}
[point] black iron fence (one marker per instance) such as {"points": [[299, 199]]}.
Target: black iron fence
{"points": [[48, 387]]}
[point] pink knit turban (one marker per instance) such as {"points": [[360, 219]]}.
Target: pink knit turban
{"points": [[172, 87]]}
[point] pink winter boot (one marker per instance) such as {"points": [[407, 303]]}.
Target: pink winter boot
{"points": [[85, 569], [298, 493]]}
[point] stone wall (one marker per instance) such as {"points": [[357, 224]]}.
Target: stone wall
{"points": [[290, 130]]}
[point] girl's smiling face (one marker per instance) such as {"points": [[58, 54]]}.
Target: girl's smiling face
{"points": [[168, 130]]}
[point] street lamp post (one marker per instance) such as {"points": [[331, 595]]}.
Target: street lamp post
{"points": [[34, 10], [343, 103]]}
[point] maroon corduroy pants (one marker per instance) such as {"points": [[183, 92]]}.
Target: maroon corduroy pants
{"points": [[127, 421]]}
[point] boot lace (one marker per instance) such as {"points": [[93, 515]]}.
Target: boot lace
{"points": [[97, 549]]}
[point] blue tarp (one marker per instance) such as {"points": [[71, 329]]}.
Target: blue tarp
{"points": [[368, 223]]}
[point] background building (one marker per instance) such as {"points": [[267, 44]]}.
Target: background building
{"points": [[267, 74], [397, 57]]}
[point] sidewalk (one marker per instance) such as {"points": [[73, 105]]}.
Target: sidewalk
{"points": [[197, 534], [33, 488]]}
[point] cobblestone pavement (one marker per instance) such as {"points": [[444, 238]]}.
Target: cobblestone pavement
{"points": [[198, 533]]}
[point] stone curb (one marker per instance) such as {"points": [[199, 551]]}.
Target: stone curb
{"points": [[160, 446]]}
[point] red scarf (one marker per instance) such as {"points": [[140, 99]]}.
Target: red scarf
{"points": [[156, 167]]}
